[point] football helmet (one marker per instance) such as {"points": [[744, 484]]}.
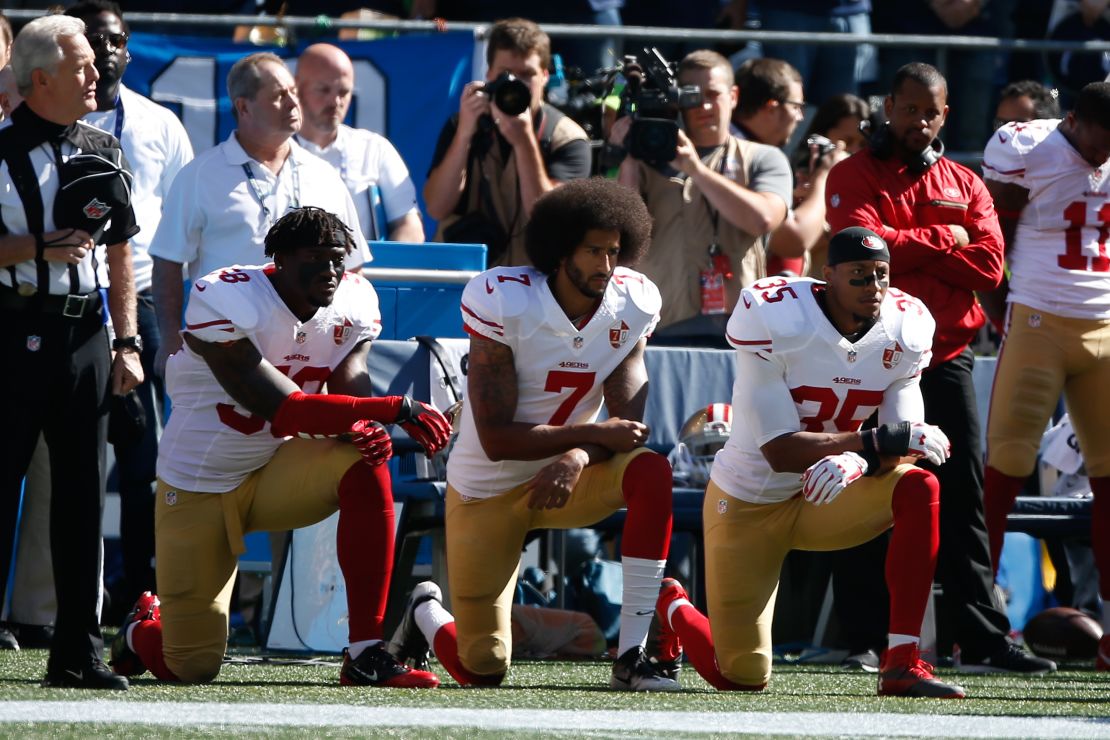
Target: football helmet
{"points": [[702, 435]]}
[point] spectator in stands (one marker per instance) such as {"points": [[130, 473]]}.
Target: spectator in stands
{"points": [[1048, 179], [1026, 100], [529, 458], [712, 205], [222, 203], [490, 167], [827, 69], [367, 162], [945, 244]]}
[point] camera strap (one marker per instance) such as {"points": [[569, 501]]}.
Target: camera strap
{"points": [[714, 214]]}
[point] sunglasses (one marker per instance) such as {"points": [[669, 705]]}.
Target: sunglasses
{"points": [[112, 40]]}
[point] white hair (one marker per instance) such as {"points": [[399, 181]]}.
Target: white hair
{"points": [[37, 46]]}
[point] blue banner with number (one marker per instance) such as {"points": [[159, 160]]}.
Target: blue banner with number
{"points": [[405, 87]]}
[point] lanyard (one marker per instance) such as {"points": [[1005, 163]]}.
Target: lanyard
{"points": [[714, 215], [253, 183], [119, 118]]}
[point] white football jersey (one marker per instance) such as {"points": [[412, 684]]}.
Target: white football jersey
{"points": [[1058, 261], [210, 443], [560, 369], [811, 378]]}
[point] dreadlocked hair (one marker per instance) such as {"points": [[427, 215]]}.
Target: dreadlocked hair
{"points": [[308, 226]]}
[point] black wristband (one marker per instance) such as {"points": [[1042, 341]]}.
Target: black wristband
{"points": [[404, 411], [870, 452], [893, 439]]}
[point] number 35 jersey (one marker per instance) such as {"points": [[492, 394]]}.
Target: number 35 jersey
{"points": [[1058, 261], [796, 372], [211, 443], [560, 369]]}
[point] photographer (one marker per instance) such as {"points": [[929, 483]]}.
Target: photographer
{"points": [[495, 159], [712, 204]]}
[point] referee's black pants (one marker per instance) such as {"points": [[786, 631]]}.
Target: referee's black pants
{"points": [[968, 609], [55, 371]]}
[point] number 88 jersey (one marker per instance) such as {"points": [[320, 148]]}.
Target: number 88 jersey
{"points": [[796, 372], [1058, 260]]}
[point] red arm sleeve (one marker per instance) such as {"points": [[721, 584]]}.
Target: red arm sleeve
{"points": [[303, 413], [853, 197], [979, 265]]}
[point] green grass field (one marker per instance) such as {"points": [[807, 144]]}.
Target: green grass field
{"points": [[535, 691]]}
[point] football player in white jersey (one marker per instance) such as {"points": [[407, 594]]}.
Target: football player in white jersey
{"points": [[814, 360], [251, 445], [547, 345], [1051, 186]]}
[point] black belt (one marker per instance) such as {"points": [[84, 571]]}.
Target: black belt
{"points": [[70, 306]]}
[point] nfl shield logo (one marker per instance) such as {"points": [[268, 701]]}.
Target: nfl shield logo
{"points": [[578, 342], [722, 506], [96, 209], [301, 337], [171, 498], [34, 343], [892, 355], [341, 332], [618, 334]]}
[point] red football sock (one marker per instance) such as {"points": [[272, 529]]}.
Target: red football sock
{"points": [[364, 546], [1100, 535], [692, 628], [446, 647], [647, 491], [912, 556], [314, 413], [999, 493], [146, 641]]}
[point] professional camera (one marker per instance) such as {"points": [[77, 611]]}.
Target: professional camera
{"points": [[821, 144], [657, 100], [509, 93]]}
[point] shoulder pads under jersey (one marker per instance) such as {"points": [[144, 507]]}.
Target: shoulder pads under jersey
{"points": [[225, 293], [639, 289], [908, 320]]}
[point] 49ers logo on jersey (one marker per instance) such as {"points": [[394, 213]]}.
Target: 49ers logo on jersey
{"points": [[892, 355], [618, 334], [342, 332]]}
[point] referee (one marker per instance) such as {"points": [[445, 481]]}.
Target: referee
{"points": [[56, 366]]}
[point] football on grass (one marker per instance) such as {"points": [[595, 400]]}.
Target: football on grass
{"points": [[1063, 633]]}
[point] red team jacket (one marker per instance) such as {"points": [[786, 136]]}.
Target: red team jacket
{"points": [[910, 211]]}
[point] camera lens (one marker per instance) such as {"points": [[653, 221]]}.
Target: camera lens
{"points": [[509, 94]]}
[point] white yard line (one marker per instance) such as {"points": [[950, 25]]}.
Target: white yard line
{"points": [[340, 715]]}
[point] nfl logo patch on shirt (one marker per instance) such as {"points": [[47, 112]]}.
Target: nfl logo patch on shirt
{"points": [[96, 209], [892, 355], [34, 343]]}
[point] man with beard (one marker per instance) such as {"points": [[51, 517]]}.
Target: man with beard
{"points": [[939, 222]]}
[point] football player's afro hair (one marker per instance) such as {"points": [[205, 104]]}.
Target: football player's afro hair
{"points": [[308, 227], [561, 218]]}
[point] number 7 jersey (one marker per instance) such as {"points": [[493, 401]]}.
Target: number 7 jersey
{"points": [[211, 443], [1058, 260], [796, 372], [560, 369]]}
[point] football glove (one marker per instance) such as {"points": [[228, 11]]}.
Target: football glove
{"points": [[929, 442], [372, 441], [424, 424], [825, 479]]}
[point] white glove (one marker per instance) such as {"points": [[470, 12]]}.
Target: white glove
{"points": [[825, 479], [929, 442]]}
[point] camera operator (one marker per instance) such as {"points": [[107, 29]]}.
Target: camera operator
{"points": [[712, 204], [504, 149]]}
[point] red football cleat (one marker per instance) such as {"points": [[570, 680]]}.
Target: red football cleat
{"points": [[670, 647], [903, 673], [1102, 662], [123, 659], [376, 667]]}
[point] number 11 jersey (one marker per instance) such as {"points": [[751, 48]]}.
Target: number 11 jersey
{"points": [[1058, 261]]}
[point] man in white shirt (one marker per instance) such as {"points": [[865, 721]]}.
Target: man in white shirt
{"points": [[1050, 180], [369, 165], [814, 360], [222, 203]]}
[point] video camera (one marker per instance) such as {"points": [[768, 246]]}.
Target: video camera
{"points": [[656, 100]]}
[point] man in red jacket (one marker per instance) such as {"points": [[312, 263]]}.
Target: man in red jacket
{"points": [[939, 222]]}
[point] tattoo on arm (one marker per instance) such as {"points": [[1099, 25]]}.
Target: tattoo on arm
{"points": [[247, 377], [626, 388], [491, 382]]}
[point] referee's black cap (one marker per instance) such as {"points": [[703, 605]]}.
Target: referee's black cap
{"points": [[93, 185]]}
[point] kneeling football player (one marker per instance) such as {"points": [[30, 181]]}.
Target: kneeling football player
{"points": [[252, 446], [814, 360]]}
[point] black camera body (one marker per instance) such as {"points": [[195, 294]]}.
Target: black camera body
{"points": [[510, 94], [657, 101], [822, 144]]}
